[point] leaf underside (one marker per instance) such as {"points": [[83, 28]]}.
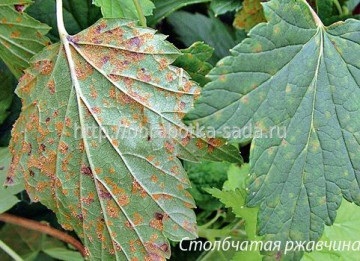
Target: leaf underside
{"points": [[21, 36], [78, 146], [295, 73]]}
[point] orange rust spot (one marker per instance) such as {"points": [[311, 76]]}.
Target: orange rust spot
{"points": [[112, 210], [96, 110], [15, 34], [169, 147], [150, 158], [154, 178], [115, 143], [51, 86], [200, 144], [59, 127], [138, 219]]}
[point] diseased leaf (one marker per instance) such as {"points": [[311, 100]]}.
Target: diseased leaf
{"points": [[8, 83], [346, 228], [250, 15], [21, 36], [7, 194], [194, 61], [78, 15], [295, 74], [100, 148], [197, 27], [165, 8], [124, 8], [220, 7]]}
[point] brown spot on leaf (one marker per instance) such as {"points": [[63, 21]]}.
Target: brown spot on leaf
{"points": [[19, 8]]}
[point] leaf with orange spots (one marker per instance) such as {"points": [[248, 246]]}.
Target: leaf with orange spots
{"points": [[100, 135], [250, 15], [295, 84], [21, 36]]}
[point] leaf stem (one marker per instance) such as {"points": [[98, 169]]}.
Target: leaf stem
{"points": [[43, 228], [338, 6], [60, 21], [10, 252], [140, 12]]}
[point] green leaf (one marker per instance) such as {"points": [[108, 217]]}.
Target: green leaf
{"points": [[324, 8], [98, 143], [78, 15], [29, 244], [233, 196], [194, 61], [296, 74], [250, 15], [8, 83], [346, 228], [165, 8], [206, 175], [7, 194], [197, 27], [124, 8], [220, 7], [237, 177], [21, 36], [62, 253]]}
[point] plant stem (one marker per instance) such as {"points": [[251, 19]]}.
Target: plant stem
{"points": [[338, 7], [46, 229], [140, 12], [10, 252], [60, 21]]}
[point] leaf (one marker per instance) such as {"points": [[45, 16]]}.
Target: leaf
{"points": [[295, 74], [206, 175], [345, 229], [98, 144], [233, 196], [124, 8], [220, 7], [194, 61], [250, 15], [197, 27], [78, 15], [165, 8], [7, 194], [8, 83], [237, 177], [21, 36], [29, 244]]}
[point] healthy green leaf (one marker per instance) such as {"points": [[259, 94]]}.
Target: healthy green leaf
{"points": [[233, 196], [250, 15], [21, 36], [223, 6], [206, 175], [165, 8], [197, 27], [346, 228], [99, 136], [78, 15], [29, 245], [296, 74], [194, 61], [8, 83], [7, 194], [124, 8]]}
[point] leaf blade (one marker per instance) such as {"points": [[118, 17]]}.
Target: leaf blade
{"points": [[295, 176], [123, 193]]}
